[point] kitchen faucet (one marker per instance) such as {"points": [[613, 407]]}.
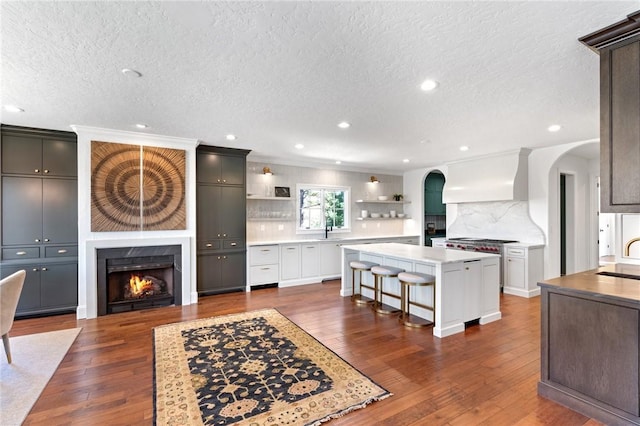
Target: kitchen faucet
{"points": [[327, 228]]}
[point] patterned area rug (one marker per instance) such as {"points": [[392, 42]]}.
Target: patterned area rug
{"points": [[254, 368]]}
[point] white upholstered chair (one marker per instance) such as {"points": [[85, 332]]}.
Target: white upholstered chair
{"points": [[10, 288]]}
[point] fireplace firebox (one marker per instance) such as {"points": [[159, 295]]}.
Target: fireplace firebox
{"points": [[134, 278]]}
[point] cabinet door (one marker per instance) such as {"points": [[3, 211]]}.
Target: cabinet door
{"points": [[310, 260], [59, 211], [330, 259], [207, 204], [232, 213], [22, 155], [515, 270], [209, 278], [620, 129], [472, 290], [22, 210], [232, 170], [59, 285], [290, 262], [30, 295], [59, 158], [233, 271], [208, 167]]}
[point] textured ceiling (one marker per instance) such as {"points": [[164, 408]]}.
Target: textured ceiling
{"points": [[281, 73]]}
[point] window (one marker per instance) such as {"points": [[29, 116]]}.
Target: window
{"points": [[321, 206]]}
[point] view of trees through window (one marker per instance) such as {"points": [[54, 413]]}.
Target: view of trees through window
{"points": [[323, 206]]}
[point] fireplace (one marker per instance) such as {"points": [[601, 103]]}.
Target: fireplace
{"points": [[134, 278]]}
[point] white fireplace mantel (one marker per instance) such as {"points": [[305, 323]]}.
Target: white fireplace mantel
{"points": [[89, 242]]}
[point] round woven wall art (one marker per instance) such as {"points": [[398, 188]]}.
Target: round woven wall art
{"points": [[135, 188]]}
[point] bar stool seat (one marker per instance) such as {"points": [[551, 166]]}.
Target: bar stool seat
{"points": [[380, 272], [415, 279], [360, 266]]}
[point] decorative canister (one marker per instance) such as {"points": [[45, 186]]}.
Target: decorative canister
{"points": [[364, 213]]}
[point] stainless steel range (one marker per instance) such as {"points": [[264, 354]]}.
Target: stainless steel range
{"points": [[483, 245]]}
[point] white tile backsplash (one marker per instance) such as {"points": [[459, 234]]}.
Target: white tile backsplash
{"points": [[275, 220]]}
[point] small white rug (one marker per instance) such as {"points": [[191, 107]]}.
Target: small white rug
{"points": [[35, 358]]}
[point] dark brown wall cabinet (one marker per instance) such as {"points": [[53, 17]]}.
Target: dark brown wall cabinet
{"points": [[619, 48], [39, 219], [221, 219]]}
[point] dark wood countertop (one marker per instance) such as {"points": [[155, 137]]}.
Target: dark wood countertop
{"points": [[591, 282]]}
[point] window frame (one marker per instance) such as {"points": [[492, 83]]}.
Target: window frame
{"points": [[323, 188]]}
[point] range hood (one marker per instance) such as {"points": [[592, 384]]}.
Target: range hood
{"points": [[501, 177]]}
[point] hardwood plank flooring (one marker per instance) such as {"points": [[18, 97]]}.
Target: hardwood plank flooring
{"points": [[484, 376]]}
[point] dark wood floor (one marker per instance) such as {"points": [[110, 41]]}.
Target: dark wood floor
{"points": [[486, 375]]}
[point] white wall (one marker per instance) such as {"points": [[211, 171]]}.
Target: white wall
{"points": [[281, 226], [545, 167]]}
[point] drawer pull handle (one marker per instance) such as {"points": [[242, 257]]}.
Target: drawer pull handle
{"points": [[44, 269], [265, 269], [46, 240], [209, 245], [265, 250], [21, 253], [224, 235], [61, 251], [291, 248], [35, 269], [234, 244], [37, 170], [37, 240]]}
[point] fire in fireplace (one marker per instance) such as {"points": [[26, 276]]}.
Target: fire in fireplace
{"points": [[138, 278]]}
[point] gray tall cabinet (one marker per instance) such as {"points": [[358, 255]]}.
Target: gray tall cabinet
{"points": [[221, 219], [39, 219]]}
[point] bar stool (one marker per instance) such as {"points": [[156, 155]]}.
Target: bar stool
{"points": [[381, 272], [415, 279], [360, 266]]}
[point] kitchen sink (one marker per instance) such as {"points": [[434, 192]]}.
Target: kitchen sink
{"points": [[619, 275]]}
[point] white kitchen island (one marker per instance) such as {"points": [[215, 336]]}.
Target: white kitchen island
{"points": [[467, 283]]}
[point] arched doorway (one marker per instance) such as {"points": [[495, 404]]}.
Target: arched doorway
{"points": [[434, 210]]}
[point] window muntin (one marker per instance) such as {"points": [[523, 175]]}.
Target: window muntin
{"points": [[320, 206]]}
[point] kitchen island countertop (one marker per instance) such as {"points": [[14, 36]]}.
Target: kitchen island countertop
{"points": [[331, 239], [436, 255]]}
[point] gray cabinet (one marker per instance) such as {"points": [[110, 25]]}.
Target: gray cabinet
{"points": [[39, 217], [619, 48], [40, 155], [36, 210], [221, 219], [221, 273]]}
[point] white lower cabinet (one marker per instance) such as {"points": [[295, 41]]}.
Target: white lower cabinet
{"points": [[289, 262], [295, 263], [472, 276], [330, 259], [523, 269], [264, 265], [309, 260]]}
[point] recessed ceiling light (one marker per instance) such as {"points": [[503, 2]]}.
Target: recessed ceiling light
{"points": [[429, 85], [406, 160], [554, 128], [338, 162], [231, 137], [344, 125], [141, 126], [464, 148], [131, 73], [299, 146], [13, 108]]}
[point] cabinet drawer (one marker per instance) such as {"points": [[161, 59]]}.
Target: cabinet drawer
{"points": [[263, 255], [209, 245], [21, 253], [232, 244], [264, 274], [515, 252], [60, 251]]}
